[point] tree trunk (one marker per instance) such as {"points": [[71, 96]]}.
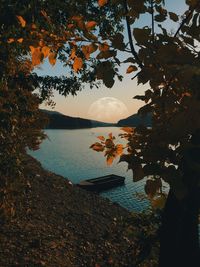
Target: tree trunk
{"points": [[179, 238]]}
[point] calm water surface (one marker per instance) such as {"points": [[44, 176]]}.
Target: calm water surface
{"points": [[66, 152]]}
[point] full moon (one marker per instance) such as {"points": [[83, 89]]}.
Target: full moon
{"points": [[108, 109]]}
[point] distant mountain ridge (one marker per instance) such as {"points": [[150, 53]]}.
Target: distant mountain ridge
{"points": [[135, 120], [58, 120]]}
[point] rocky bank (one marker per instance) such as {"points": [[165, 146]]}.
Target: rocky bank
{"points": [[56, 224]]}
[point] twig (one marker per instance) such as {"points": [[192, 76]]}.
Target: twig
{"points": [[135, 75], [186, 18], [152, 21], [133, 51]]}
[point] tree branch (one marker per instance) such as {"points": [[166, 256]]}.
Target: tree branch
{"points": [[133, 51], [152, 21], [186, 18]]}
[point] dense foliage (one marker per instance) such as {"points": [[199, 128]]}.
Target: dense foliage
{"points": [[91, 49]]}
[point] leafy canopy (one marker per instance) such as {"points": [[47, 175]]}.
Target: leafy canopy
{"points": [[88, 37]]}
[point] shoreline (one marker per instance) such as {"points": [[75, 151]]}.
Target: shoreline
{"points": [[57, 224]]}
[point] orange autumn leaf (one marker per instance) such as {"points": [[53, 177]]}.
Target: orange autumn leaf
{"points": [[110, 135], [104, 47], [33, 26], [73, 53], [119, 149], [36, 54], [45, 51], [159, 202], [90, 25], [70, 26], [97, 147], [109, 160], [78, 64], [76, 18], [102, 2], [10, 40], [20, 40], [52, 58], [86, 52], [131, 69], [21, 21], [79, 21], [101, 137], [92, 48], [127, 129], [186, 94]]}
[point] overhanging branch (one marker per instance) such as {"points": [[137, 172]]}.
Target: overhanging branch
{"points": [[186, 18], [133, 51], [152, 21]]}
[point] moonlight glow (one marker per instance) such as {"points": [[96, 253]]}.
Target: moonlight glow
{"points": [[108, 109]]}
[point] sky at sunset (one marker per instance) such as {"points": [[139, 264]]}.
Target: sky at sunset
{"points": [[80, 105]]}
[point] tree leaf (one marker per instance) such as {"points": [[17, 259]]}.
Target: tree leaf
{"points": [[78, 64], [90, 25], [79, 22], [86, 52], [110, 135], [119, 149], [109, 143], [105, 72], [73, 53], [52, 58], [138, 173], [152, 186], [102, 2], [160, 18], [159, 201], [88, 49], [109, 160], [45, 51], [97, 147], [92, 48], [21, 21], [102, 138], [118, 41], [37, 55], [20, 40], [173, 16], [127, 129], [131, 69], [130, 59], [105, 54], [104, 47], [10, 40], [142, 36]]}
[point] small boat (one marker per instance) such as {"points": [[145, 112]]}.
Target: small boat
{"points": [[102, 183]]}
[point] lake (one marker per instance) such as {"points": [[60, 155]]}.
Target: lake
{"points": [[67, 153]]}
